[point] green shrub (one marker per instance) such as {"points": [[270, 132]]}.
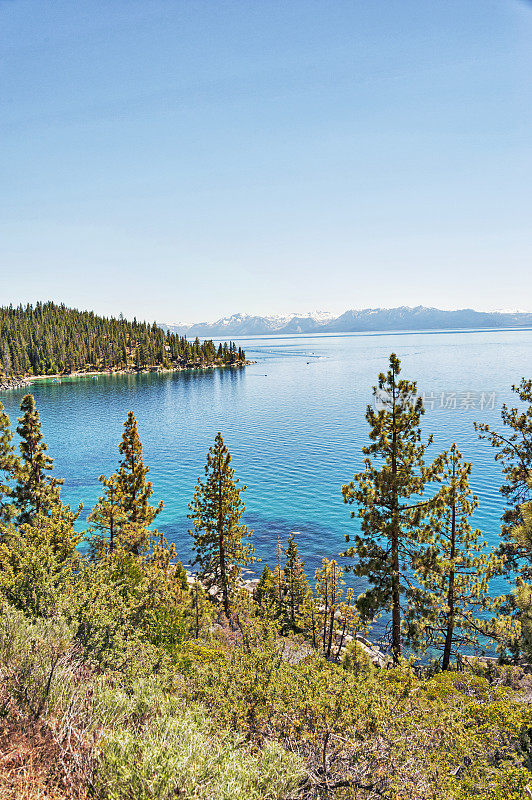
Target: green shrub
{"points": [[166, 628], [177, 755], [35, 660], [356, 659]]}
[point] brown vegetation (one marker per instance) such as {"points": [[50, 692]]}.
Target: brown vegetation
{"points": [[33, 766]]}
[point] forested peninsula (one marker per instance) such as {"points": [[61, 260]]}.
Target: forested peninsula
{"points": [[50, 339]]}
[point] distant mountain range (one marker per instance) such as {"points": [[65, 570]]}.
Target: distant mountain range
{"points": [[402, 318]]}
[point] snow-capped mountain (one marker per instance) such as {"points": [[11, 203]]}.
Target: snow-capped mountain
{"points": [[248, 325], [367, 319]]}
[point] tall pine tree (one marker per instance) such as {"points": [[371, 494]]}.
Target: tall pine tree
{"points": [[394, 474], [8, 463], [455, 570], [35, 492], [220, 540], [513, 451], [295, 582], [123, 514], [522, 536], [131, 477]]}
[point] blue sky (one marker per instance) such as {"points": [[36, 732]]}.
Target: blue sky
{"points": [[188, 160]]}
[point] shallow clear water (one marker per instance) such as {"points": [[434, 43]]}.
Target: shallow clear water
{"points": [[294, 423]]}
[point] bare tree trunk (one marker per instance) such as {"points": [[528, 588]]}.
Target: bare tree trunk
{"points": [[326, 597], [396, 600], [342, 636], [450, 592], [332, 612], [396, 596], [221, 547]]}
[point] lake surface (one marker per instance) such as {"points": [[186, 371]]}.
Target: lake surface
{"points": [[294, 424]]}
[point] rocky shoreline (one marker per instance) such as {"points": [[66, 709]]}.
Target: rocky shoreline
{"points": [[13, 383], [377, 656], [20, 382]]}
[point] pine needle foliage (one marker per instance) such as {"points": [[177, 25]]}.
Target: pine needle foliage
{"points": [[123, 514], [181, 576], [386, 494], [8, 463], [266, 595], [135, 491], [522, 535], [220, 541], [455, 570], [48, 339], [39, 560], [295, 582], [35, 492], [107, 518], [513, 451]]}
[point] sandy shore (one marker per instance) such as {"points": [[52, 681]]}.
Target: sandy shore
{"points": [[18, 383]]}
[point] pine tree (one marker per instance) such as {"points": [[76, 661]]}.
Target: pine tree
{"points": [[107, 517], [278, 576], [455, 570], [311, 617], [199, 609], [220, 540], [394, 471], [521, 534], [513, 450], [124, 512], [38, 554], [265, 595], [181, 576], [34, 492], [295, 582], [39, 561], [8, 463], [329, 589], [134, 489]]}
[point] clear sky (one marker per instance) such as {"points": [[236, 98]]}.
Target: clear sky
{"points": [[183, 160]]}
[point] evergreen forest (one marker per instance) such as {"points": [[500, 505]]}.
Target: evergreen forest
{"points": [[50, 339]]}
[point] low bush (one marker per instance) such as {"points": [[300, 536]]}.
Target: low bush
{"points": [[356, 659], [178, 754]]}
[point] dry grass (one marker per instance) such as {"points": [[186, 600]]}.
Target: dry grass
{"points": [[43, 755], [32, 764]]}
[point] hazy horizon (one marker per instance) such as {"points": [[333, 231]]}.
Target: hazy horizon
{"points": [[280, 315], [313, 312], [185, 162]]}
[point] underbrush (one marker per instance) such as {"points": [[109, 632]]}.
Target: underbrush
{"points": [[375, 733], [177, 754], [244, 722], [76, 733]]}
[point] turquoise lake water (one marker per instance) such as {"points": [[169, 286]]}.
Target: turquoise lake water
{"points": [[294, 423]]}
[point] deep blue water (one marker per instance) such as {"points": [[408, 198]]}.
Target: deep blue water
{"points": [[294, 423]]}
